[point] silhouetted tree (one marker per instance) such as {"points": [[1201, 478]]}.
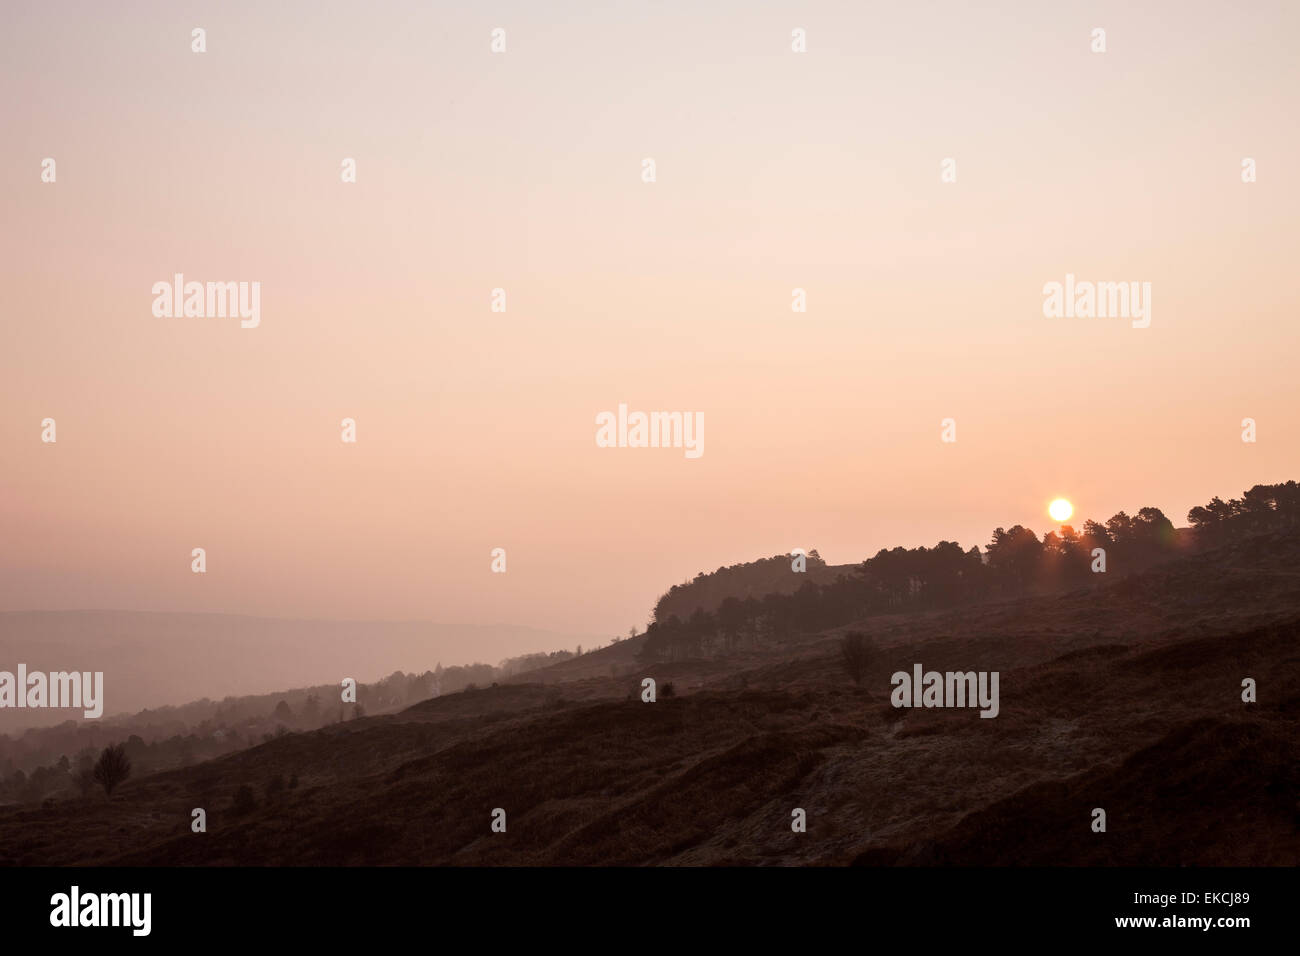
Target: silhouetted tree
{"points": [[1153, 528], [1120, 528], [112, 768], [1259, 509], [1015, 556], [1096, 534]]}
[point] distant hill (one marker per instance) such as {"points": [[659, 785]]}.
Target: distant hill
{"points": [[155, 659], [749, 579]]}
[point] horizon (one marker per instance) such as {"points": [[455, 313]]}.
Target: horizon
{"points": [[1076, 520]]}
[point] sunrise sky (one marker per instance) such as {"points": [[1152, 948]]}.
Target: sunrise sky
{"points": [[522, 170]]}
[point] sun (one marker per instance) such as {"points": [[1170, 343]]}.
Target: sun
{"points": [[1060, 510]]}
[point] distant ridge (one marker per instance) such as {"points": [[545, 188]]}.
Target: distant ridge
{"points": [[158, 658]]}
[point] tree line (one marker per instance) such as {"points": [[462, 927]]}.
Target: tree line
{"points": [[696, 619]]}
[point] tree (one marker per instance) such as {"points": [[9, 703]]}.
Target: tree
{"points": [[1015, 556], [1075, 556], [112, 768], [1153, 528], [1203, 521], [1097, 535], [731, 620], [856, 654], [1120, 528], [283, 711]]}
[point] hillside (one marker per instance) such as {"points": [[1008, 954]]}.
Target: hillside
{"points": [[1125, 696]]}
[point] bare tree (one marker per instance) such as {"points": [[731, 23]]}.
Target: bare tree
{"points": [[856, 654], [112, 768]]}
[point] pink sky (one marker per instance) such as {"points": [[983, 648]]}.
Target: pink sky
{"points": [[775, 170]]}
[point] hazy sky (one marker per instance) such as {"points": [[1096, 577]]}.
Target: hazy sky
{"points": [[522, 170]]}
